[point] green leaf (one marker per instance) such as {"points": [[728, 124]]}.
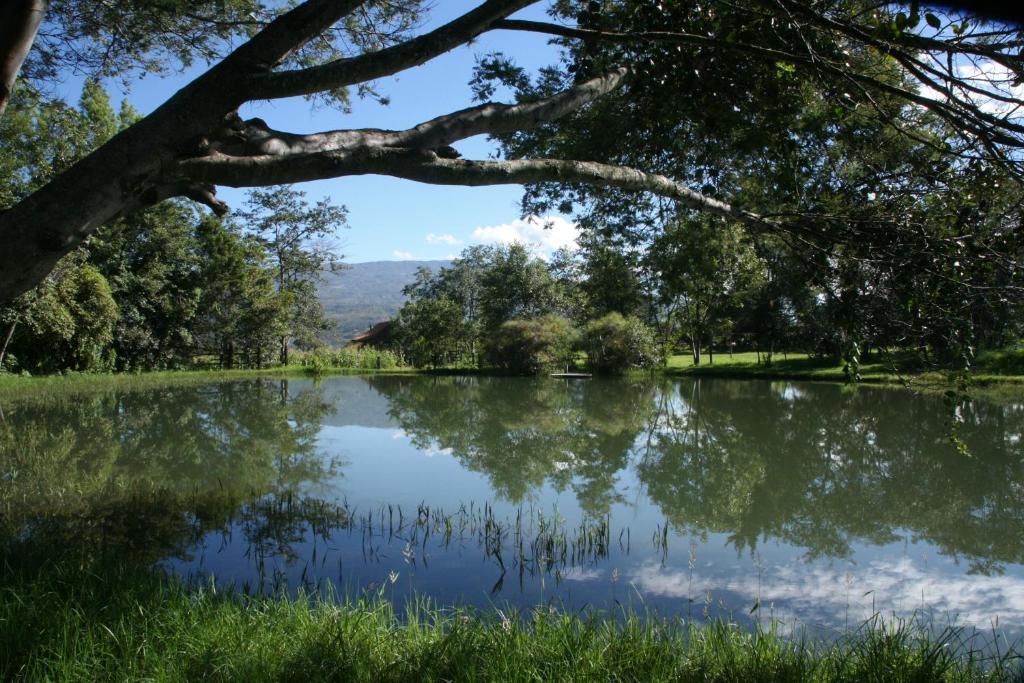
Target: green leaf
{"points": [[932, 20]]}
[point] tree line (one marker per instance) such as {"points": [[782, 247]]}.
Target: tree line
{"points": [[701, 285]]}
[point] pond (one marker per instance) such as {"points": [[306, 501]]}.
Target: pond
{"points": [[813, 504]]}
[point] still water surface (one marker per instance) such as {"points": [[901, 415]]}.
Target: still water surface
{"points": [[813, 504]]}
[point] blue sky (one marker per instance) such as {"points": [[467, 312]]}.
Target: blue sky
{"points": [[390, 218]]}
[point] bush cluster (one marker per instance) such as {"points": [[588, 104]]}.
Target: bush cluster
{"points": [[528, 347], [613, 345], [616, 343]]}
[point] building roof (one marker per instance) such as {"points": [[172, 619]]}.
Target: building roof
{"points": [[375, 332]]}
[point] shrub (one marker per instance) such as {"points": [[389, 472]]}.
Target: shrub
{"points": [[366, 359], [615, 344], [528, 347]]}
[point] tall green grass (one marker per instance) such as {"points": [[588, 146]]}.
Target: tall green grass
{"points": [[326, 360], [69, 623]]}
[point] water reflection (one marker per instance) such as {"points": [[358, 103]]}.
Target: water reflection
{"points": [[145, 475], [696, 496], [820, 467]]}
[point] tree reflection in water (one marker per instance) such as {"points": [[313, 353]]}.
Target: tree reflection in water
{"points": [[818, 466], [141, 476], [146, 476]]}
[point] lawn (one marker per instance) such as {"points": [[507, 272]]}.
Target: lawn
{"points": [[1005, 366]]}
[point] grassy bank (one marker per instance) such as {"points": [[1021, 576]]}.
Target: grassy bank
{"points": [[12, 385], [71, 625], [1002, 367], [995, 369]]}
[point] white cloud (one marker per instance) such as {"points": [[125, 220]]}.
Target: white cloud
{"points": [[996, 79], [831, 594], [446, 238], [403, 255], [581, 574], [989, 77], [542, 235]]}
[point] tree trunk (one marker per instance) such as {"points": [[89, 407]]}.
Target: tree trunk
{"points": [[284, 350], [19, 23], [7, 341]]}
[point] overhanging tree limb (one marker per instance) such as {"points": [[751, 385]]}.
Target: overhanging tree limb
{"points": [[426, 166], [490, 118], [195, 139], [19, 23], [369, 66], [967, 117], [131, 170]]}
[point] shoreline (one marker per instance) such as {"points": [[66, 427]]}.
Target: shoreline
{"points": [[800, 369]]}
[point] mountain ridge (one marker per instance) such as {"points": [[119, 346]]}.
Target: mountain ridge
{"points": [[366, 293]]}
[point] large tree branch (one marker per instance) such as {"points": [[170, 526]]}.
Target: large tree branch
{"points": [[366, 67], [289, 32], [19, 23], [491, 118], [129, 169], [427, 167]]}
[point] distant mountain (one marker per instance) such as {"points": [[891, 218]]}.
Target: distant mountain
{"points": [[367, 293]]}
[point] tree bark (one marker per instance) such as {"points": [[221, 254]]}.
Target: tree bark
{"points": [[19, 23], [7, 341]]}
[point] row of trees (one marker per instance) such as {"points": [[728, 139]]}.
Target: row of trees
{"points": [[161, 287], [700, 283], [500, 306]]}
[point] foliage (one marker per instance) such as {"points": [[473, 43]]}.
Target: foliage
{"points": [[430, 332], [456, 312], [124, 39], [528, 347], [177, 286], [322, 361], [884, 213], [67, 323], [515, 285], [615, 344], [241, 315], [706, 268], [151, 261], [294, 236]]}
